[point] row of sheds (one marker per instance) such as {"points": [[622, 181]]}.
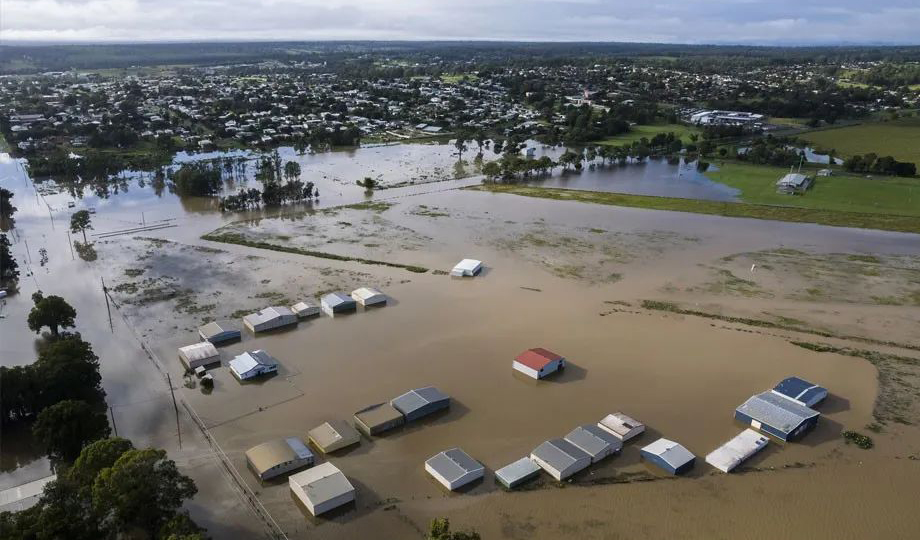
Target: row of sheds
{"points": [[334, 303], [248, 365], [408, 407]]}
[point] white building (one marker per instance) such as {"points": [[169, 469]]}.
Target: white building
{"points": [[467, 268], [252, 364], [305, 309], [322, 488], [454, 468], [734, 452], [621, 426], [198, 354], [368, 296], [269, 319], [538, 362]]}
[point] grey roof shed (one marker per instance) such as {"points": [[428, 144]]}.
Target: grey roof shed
{"points": [[420, 402], [516, 473]]}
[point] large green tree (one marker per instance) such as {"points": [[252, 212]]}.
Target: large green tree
{"points": [[79, 222], [9, 268], [141, 491], [51, 311], [67, 426]]}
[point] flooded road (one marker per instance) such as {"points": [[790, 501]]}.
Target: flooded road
{"points": [[562, 275]]}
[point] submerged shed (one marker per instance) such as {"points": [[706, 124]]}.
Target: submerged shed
{"points": [[621, 426], [368, 296], [801, 391], [454, 468], [269, 318], [467, 268], [734, 452], [560, 458], [378, 418], [420, 402], [517, 473], [277, 457], [305, 309], [594, 441], [198, 354], [538, 362], [337, 302], [668, 455], [333, 435], [777, 415], [322, 488], [219, 332], [252, 364]]}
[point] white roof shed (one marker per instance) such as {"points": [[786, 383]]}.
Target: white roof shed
{"points": [[251, 364], [734, 452], [269, 319], [454, 468], [198, 354], [621, 426], [305, 309], [368, 296], [467, 268], [322, 488]]}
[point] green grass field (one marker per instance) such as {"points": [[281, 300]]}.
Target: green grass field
{"points": [[454, 78], [637, 132], [844, 193], [835, 218], [898, 138], [789, 122]]}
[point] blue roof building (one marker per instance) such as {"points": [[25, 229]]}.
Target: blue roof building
{"points": [[801, 391], [775, 414]]}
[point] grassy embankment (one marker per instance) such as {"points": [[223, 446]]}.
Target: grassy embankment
{"points": [[838, 193], [897, 138], [902, 223], [648, 131]]}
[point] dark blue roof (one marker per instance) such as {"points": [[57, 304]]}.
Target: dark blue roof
{"points": [[799, 389]]}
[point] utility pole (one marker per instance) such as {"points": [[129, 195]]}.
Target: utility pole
{"points": [[28, 252], [105, 293], [175, 406], [70, 243], [112, 415], [143, 220]]}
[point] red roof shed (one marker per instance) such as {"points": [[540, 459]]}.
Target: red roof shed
{"points": [[538, 358]]}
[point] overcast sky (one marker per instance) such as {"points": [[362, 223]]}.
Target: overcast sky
{"points": [[675, 21]]}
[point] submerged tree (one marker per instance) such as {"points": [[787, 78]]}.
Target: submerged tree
{"points": [[9, 268], [79, 222], [67, 426], [51, 311]]}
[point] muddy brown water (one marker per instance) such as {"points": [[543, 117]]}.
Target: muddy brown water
{"points": [[682, 376]]}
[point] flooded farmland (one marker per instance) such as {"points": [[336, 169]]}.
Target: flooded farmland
{"points": [[571, 277]]}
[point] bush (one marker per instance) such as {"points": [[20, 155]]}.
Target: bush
{"points": [[860, 440]]}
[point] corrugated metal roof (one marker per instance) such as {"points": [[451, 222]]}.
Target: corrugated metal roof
{"points": [[199, 351], [213, 329], [800, 390], [268, 314], [379, 414], [418, 398], [334, 299], [537, 358], [269, 454], [776, 411], [621, 424], [671, 452], [739, 448], [559, 453], [251, 359], [593, 440], [453, 464], [513, 472], [322, 483]]}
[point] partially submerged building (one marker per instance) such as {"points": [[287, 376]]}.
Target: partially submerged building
{"points": [[378, 418], [269, 318], [560, 458], [801, 391], [538, 362], [305, 309], [274, 458], [669, 456], [621, 426], [516, 473], [253, 364], [199, 354], [777, 415], [338, 302], [369, 296], [322, 488], [420, 402], [219, 332], [467, 268], [454, 468], [594, 441], [734, 452], [333, 435]]}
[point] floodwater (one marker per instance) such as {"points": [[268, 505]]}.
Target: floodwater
{"points": [[682, 376]]}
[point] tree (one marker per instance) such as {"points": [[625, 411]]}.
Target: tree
{"points": [[9, 268], [440, 530], [6, 209], [79, 222], [52, 311], [67, 426], [142, 490], [291, 170], [181, 527], [95, 457], [492, 170]]}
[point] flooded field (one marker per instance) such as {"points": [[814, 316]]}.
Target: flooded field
{"points": [[567, 276]]}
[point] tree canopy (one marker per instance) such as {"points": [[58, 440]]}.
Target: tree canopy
{"points": [[51, 311], [80, 221], [67, 426]]}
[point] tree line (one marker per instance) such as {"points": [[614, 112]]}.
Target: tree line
{"points": [[871, 163]]}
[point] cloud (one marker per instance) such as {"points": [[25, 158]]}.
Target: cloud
{"points": [[681, 21]]}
